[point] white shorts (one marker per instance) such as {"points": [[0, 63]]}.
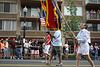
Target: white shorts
{"points": [[32, 51], [46, 49], [83, 50]]}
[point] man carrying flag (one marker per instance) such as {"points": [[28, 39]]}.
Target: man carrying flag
{"points": [[53, 21]]}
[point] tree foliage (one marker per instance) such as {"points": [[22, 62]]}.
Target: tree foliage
{"points": [[73, 20]]}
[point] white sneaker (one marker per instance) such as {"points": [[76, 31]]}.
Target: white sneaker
{"points": [[21, 58], [14, 58], [18, 58], [44, 61], [60, 64], [10, 57]]}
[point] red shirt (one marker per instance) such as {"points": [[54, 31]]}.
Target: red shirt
{"points": [[48, 37], [12, 45], [76, 47]]}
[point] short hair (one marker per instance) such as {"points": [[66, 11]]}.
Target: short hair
{"points": [[48, 32], [86, 26]]}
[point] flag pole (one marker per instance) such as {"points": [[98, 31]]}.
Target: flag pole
{"points": [[63, 17]]}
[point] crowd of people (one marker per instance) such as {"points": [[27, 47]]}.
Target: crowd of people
{"points": [[14, 48], [95, 14]]}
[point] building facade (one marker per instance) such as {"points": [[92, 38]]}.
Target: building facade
{"points": [[12, 18]]}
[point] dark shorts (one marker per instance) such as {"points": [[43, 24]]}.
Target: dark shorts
{"points": [[56, 50]]}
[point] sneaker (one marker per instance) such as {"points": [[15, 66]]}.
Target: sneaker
{"points": [[14, 58], [21, 58], [44, 61], [18, 58], [10, 57], [60, 64], [48, 63]]}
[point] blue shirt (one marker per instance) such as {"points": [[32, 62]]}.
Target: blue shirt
{"points": [[36, 46], [57, 39]]}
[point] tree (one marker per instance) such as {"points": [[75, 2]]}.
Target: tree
{"points": [[73, 20]]}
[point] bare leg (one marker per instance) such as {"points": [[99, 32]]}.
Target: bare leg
{"points": [[37, 56], [31, 56], [78, 59], [50, 58], [45, 57], [60, 59], [3, 55], [66, 56], [89, 60]]}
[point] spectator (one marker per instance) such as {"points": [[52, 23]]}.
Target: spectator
{"points": [[3, 49], [76, 48], [43, 47], [30, 41], [66, 50], [26, 49], [91, 14], [13, 49], [96, 51], [94, 14], [6, 48], [99, 52], [98, 14], [32, 50], [19, 46], [36, 50], [91, 48]]}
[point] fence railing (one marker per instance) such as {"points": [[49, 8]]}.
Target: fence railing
{"points": [[93, 15], [92, 1]]}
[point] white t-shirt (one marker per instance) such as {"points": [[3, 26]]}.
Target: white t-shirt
{"points": [[6, 44], [26, 45], [91, 47], [66, 46]]}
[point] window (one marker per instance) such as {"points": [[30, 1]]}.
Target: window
{"points": [[66, 12], [98, 27], [1, 7], [6, 7], [13, 7], [8, 25], [93, 27], [34, 12], [78, 12], [30, 26], [0, 24]]}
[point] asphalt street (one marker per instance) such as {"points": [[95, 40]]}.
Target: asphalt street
{"points": [[38, 63]]}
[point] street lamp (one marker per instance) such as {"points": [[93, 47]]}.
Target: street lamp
{"points": [[25, 11]]}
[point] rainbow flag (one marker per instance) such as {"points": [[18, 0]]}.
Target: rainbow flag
{"points": [[44, 8]]}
